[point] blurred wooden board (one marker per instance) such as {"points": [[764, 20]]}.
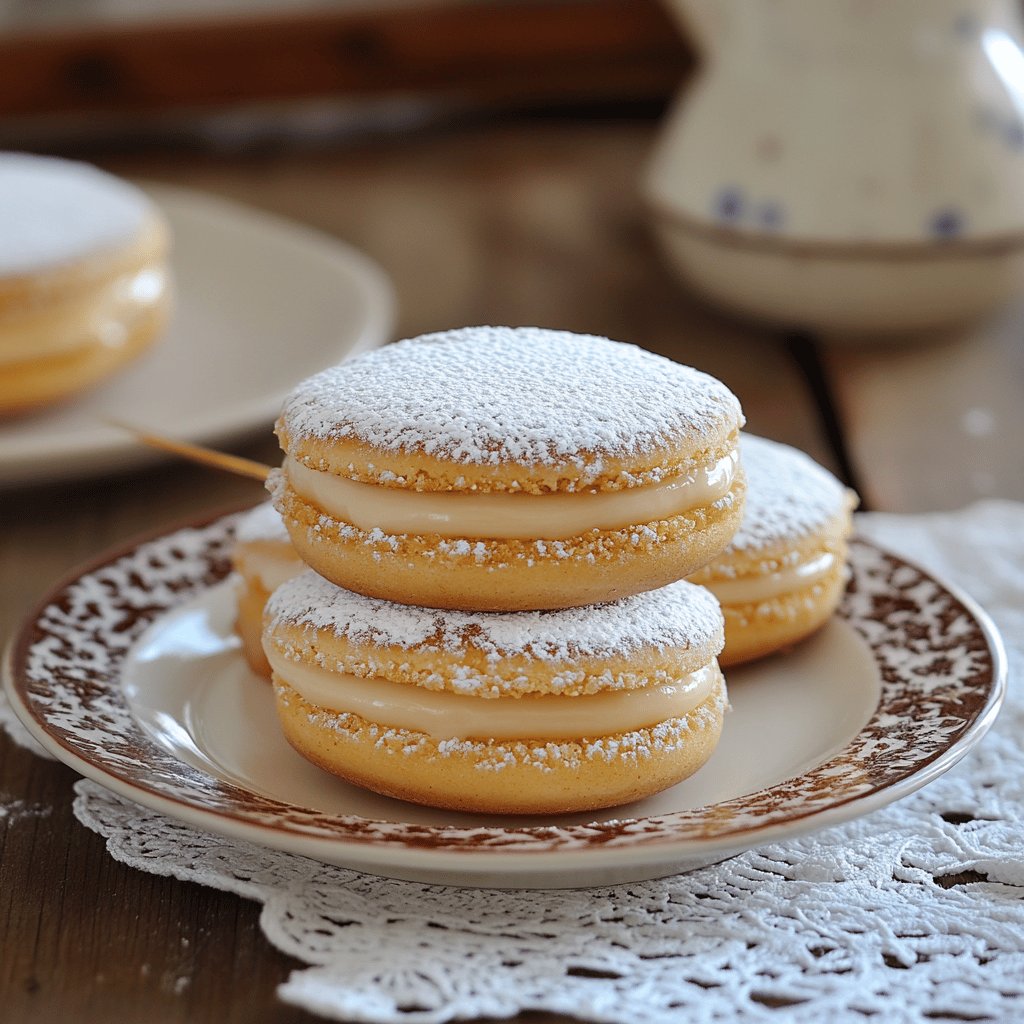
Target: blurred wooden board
{"points": [[501, 50], [938, 424]]}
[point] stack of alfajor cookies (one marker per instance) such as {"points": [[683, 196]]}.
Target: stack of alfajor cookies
{"points": [[498, 522], [783, 573]]}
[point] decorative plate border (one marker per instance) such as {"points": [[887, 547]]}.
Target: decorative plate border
{"points": [[939, 658]]}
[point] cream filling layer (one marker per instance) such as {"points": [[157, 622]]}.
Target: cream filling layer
{"points": [[749, 589], [270, 567], [105, 314], [506, 516], [445, 715]]}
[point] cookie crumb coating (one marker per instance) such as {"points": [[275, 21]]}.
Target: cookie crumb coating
{"points": [[541, 777], [509, 575], [647, 639], [493, 665]]}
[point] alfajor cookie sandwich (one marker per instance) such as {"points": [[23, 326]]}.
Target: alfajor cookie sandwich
{"points": [[509, 468]]}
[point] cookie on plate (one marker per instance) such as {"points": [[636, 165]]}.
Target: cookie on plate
{"points": [[84, 285], [263, 558], [501, 469], [523, 712], [782, 575]]}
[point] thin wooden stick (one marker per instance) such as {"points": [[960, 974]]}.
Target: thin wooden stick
{"points": [[197, 453]]}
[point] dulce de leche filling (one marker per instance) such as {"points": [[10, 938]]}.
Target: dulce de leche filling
{"points": [[507, 516], [269, 562], [105, 315], [750, 589], [445, 715]]}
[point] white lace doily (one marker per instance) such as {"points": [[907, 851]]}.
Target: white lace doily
{"points": [[913, 913]]}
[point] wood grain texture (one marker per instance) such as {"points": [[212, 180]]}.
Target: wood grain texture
{"points": [[83, 938], [516, 222], [936, 424], [526, 50]]}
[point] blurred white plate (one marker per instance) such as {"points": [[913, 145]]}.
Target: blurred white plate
{"points": [[261, 303]]}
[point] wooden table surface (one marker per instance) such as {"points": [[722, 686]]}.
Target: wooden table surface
{"points": [[506, 222]]}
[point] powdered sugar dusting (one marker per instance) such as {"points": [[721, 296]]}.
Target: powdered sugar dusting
{"points": [[263, 522], [54, 212], [486, 395], [677, 616], [789, 496]]}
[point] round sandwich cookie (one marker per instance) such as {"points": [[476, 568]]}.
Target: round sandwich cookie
{"points": [[263, 558], [499, 469], [84, 285], [782, 575], [519, 712]]}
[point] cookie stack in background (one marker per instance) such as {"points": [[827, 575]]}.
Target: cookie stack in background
{"points": [[263, 558], [497, 522], [782, 575]]}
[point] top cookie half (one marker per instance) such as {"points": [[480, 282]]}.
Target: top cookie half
{"points": [[67, 226], [501, 409]]}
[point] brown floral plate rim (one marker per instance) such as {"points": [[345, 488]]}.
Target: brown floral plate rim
{"points": [[959, 645]]}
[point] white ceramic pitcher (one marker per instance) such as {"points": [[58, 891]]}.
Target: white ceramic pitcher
{"points": [[848, 165]]}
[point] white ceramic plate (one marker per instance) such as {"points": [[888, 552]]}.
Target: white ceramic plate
{"points": [[260, 304], [130, 674]]}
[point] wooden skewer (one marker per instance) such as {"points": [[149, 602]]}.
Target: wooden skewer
{"points": [[197, 453]]}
